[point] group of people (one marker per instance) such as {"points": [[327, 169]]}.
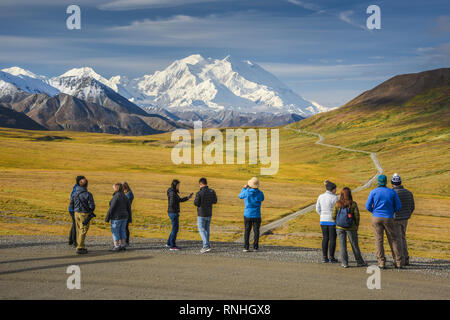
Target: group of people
{"points": [[339, 217], [204, 201], [82, 207]]}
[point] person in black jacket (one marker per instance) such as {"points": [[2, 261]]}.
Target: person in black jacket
{"points": [[73, 230], [173, 210], [130, 196], [204, 200], [119, 213], [82, 203]]}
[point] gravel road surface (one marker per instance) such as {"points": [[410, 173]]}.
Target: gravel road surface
{"points": [[34, 267]]}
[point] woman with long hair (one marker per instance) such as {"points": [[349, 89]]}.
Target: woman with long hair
{"points": [[173, 210], [119, 212], [130, 196], [346, 215]]}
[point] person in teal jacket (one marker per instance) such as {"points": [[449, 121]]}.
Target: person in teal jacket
{"points": [[252, 212], [383, 202]]}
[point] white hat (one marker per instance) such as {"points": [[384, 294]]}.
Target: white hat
{"points": [[253, 183]]}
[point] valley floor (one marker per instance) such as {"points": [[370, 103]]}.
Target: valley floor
{"points": [[34, 267]]}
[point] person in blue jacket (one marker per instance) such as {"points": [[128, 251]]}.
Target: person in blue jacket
{"points": [[383, 202], [252, 213], [73, 230]]}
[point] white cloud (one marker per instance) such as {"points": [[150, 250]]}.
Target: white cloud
{"points": [[343, 16], [439, 54], [306, 70], [346, 17], [141, 4], [306, 5], [247, 30]]}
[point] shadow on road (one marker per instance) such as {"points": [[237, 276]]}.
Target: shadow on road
{"points": [[72, 256], [64, 265], [28, 244]]}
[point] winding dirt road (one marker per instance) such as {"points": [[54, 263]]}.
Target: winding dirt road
{"points": [[278, 223]]}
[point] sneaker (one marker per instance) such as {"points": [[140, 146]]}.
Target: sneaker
{"points": [[115, 248], [82, 251], [361, 264], [167, 246], [203, 250], [333, 260], [325, 260], [255, 249], [174, 249], [246, 250], [123, 248], [344, 265], [208, 249]]}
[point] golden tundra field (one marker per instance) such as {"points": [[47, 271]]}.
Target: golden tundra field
{"points": [[38, 170]]}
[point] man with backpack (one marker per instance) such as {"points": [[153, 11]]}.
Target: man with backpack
{"points": [[383, 202], [204, 200], [83, 205], [402, 216]]}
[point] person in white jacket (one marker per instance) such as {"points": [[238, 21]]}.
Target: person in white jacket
{"points": [[324, 207]]}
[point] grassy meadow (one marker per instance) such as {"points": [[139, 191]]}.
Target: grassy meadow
{"points": [[413, 140], [38, 168]]}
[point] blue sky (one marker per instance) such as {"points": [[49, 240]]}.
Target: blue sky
{"points": [[321, 49]]}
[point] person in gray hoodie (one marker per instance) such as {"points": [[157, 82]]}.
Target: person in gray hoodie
{"points": [[402, 216], [324, 207]]}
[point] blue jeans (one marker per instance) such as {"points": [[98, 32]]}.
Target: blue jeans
{"points": [[203, 227], [118, 229], [174, 218]]}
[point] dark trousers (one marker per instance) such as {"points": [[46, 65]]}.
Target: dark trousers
{"points": [[328, 241], [174, 218], [73, 230], [127, 230], [353, 237], [249, 223]]}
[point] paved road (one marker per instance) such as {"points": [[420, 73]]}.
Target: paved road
{"points": [[35, 268], [280, 222]]}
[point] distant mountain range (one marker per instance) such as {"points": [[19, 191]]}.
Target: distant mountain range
{"points": [[219, 92]]}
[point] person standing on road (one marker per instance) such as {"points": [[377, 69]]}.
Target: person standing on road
{"points": [[383, 202], [130, 196], [73, 229], [346, 215], [253, 198], [83, 206], [324, 207], [173, 210], [119, 214], [204, 200], [402, 216]]}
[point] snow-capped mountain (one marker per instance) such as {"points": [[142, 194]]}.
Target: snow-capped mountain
{"points": [[220, 92], [87, 85], [196, 83], [12, 84], [18, 71]]}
